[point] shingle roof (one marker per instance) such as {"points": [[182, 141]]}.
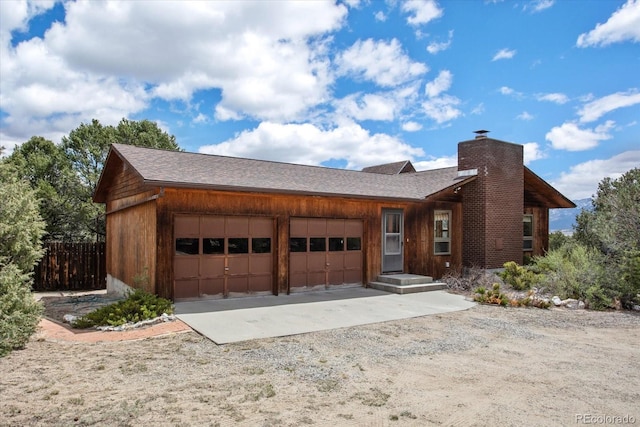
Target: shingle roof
{"points": [[183, 169], [404, 166]]}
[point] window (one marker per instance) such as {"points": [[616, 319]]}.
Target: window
{"points": [[238, 245], [261, 245], [317, 244], [354, 244], [187, 246], [298, 244], [442, 232], [527, 232], [213, 246], [336, 244]]}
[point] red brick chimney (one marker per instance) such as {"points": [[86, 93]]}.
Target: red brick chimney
{"points": [[492, 205]]}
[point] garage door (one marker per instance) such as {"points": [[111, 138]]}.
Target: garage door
{"points": [[325, 252], [222, 255]]}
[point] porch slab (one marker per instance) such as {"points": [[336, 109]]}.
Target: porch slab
{"points": [[408, 289], [406, 283]]}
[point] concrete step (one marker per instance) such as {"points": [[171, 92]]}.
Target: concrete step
{"points": [[404, 279], [408, 289]]}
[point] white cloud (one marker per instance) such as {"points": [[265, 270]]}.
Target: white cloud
{"points": [[421, 11], [478, 109], [439, 107], [411, 126], [506, 90], [380, 16], [381, 62], [532, 152], [558, 98], [524, 116], [435, 47], [582, 179], [15, 15], [436, 163], [368, 106], [268, 60], [539, 5], [623, 25], [311, 145], [570, 137], [596, 109], [504, 54], [440, 84], [442, 109]]}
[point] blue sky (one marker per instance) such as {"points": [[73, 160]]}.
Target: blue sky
{"points": [[341, 84]]}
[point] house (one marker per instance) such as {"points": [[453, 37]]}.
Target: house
{"points": [[186, 225]]}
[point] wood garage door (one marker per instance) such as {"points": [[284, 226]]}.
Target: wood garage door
{"points": [[324, 251], [222, 255]]}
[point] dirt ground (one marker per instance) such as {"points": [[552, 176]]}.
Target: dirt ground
{"points": [[487, 366]]}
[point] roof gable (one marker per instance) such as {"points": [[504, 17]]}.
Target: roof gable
{"points": [[395, 168]]}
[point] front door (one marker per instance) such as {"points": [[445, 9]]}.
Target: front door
{"points": [[392, 239]]}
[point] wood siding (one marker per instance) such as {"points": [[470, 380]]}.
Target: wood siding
{"points": [[540, 230], [131, 240], [418, 249]]}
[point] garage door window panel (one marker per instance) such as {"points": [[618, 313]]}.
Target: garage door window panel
{"points": [[317, 244], [261, 245], [187, 246], [354, 243], [238, 245], [213, 246], [336, 244], [298, 244]]}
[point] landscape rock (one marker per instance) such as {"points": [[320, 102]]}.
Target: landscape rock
{"points": [[69, 318], [570, 303], [556, 301]]}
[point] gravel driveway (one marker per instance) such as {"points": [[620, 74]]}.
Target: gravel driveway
{"points": [[486, 366]]}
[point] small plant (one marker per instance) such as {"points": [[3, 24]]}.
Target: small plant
{"points": [[494, 296], [519, 278], [139, 305]]}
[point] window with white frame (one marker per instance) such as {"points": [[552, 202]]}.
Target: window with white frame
{"points": [[527, 233], [442, 232]]}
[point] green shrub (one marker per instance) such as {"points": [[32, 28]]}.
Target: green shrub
{"points": [[629, 284], [19, 312], [596, 298], [569, 271], [139, 305], [519, 278], [493, 296]]}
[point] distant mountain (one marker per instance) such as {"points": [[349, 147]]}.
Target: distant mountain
{"points": [[564, 219]]}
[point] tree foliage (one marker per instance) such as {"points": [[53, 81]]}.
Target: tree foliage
{"points": [[613, 228], [65, 176], [21, 229], [19, 311], [45, 166], [614, 223]]}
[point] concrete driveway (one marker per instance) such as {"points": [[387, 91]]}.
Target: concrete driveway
{"points": [[241, 319]]}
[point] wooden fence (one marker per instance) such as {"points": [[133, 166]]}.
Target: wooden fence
{"points": [[71, 267]]}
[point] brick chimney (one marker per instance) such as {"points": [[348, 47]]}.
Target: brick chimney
{"points": [[493, 205]]}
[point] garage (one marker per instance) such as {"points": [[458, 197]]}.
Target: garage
{"points": [[324, 251], [222, 255]]}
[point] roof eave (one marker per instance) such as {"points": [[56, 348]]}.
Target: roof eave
{"points": [[439, 194], [241, 189]]}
